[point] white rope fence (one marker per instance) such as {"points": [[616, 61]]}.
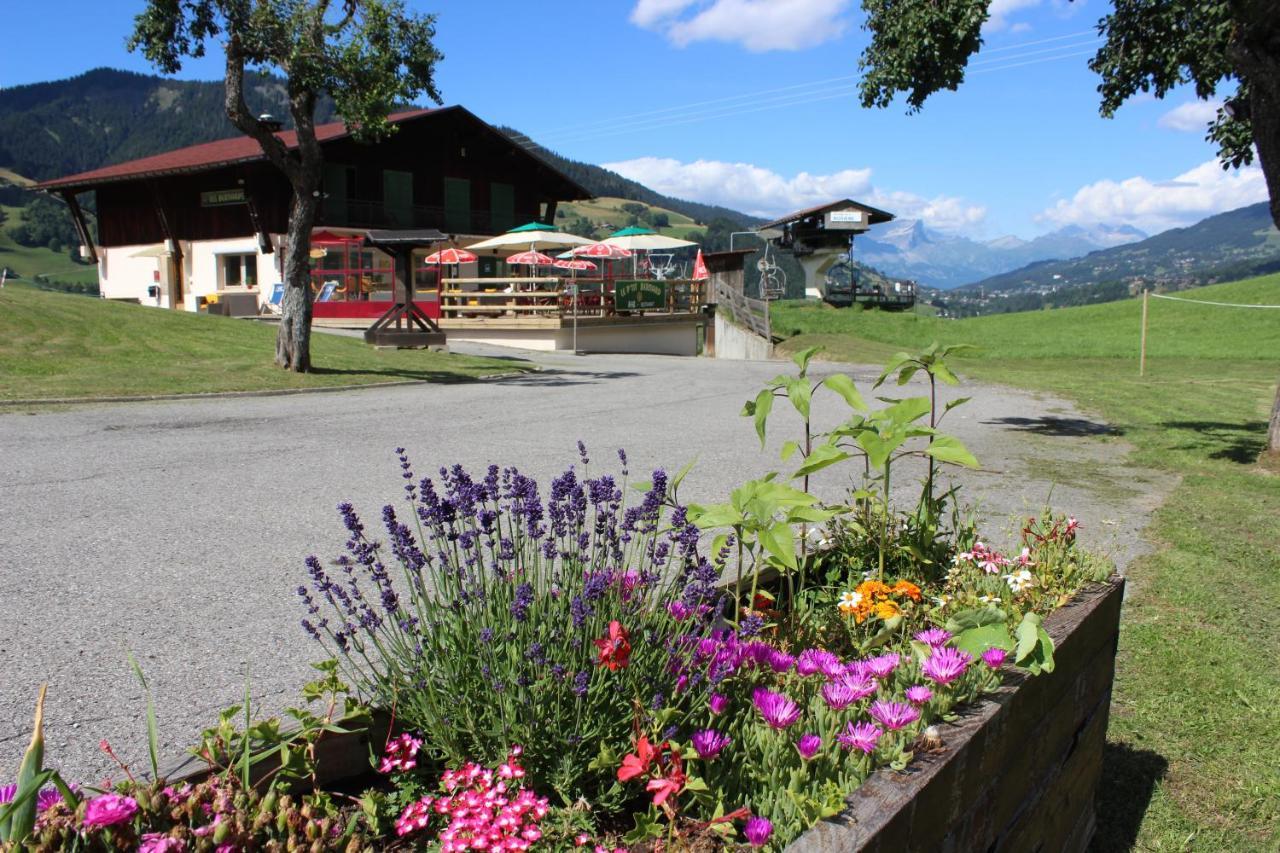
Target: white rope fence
{"points": [[1142, 345], [1206, 302]]}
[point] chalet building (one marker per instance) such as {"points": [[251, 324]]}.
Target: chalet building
{"points": [[176, 228]]}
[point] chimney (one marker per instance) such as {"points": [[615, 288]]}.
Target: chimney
{"points": [[272, 123]]}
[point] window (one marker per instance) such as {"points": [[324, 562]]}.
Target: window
{"points": [[457, 204], [502, 207], [237, 271], [397, 197], [358, 272]]}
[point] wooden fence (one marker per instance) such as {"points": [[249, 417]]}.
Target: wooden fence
{"points": [[752, 314]]}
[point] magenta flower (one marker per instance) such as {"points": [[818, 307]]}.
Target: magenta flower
{"points": [[945, 665], [109, 809], [808, 746], [158, 842], [401, 754], [709, 743], [934, 637], [894, 715], [918, 694], [863, 736], [858, 670], [813, 661], [757, 831], [994, 657], [883, 665], [718, 703], [779, 661], [8, 792], [839, 694], [679, 610], [46, 798], [778, 711]]}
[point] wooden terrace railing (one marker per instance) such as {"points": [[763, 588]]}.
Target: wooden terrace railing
{"points": [[552, 298]]}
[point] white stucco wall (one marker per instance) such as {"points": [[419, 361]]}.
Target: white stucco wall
{"points": [[202, 266], [733, 341], [122, 276]]}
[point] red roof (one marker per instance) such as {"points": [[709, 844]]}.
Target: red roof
{"points": [[224, 152]]}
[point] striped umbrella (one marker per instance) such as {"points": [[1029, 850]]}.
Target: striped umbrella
{"points": [[450, 256], [575, 264], [602, 250], [533, 258]]}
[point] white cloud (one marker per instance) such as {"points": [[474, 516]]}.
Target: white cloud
{"points": [[999, 11], [1159, 205], [763, 192], [757, 25], [1191, 116]]}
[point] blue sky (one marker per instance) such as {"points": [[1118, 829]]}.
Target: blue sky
{"points": [[751, 104]]}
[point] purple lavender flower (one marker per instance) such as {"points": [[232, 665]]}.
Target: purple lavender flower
{"points": [[777, 710], [718, 703], [752, 624], [838, 694], [808, 746], [523, 598], [863, 736], [813, 661], [679, 610], [933, 637], [883, 666], [994, 657], [580, 682], [918, 694], [757, 831], [945, 665], [709, 743], [894, 715]]}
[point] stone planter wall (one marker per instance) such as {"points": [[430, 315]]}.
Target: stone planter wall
{"points": [[1018, 771]]}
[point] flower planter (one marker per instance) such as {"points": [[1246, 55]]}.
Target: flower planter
{"points": [[1017, 771]]}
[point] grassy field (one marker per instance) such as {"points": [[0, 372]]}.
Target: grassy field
{"points": [[1191, 757], [607, 209], [55, 345], [28, 262]]}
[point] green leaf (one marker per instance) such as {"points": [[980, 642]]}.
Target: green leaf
{"points": [[764, 403], [959, 401], [895, 362], [779, 540], [153, 737], [715, 515], [823, 456], [800, 393], [904, 375], [975, 618], [975, 641], [843, 385], [944, 373], [948, 448], [803, 356], [684, 472], [877, 449], [788, 449], [647, 826]]}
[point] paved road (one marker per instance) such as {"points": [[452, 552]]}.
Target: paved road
{"points": [[177, 530]]}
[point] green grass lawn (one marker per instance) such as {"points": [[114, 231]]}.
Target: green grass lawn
{"points": [[28, 262], [1196, 712], [56, 345]]}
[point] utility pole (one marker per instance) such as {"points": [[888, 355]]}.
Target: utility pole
{"points": [[1142, 355]]}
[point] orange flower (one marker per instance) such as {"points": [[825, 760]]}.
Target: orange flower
{"points": [[887, 609], [908, 589], [874, 589]]}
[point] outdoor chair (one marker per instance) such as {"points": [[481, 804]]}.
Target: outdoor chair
{"points": [[274, 305]]}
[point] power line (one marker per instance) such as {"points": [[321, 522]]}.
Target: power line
{"points": [[776, 103]]}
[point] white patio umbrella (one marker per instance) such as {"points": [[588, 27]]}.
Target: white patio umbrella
{"points": [[531, 236], [644, 240]]}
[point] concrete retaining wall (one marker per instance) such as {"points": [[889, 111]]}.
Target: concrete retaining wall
{"points": [[733, 341], [1017, 772]]}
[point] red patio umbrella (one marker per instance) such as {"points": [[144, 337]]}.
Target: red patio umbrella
{"points": [[575, 264], [450, 256], [700, 271], [601, 250], [532, 258]]}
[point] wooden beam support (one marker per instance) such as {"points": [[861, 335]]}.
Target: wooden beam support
{"points": [[82, 227], [175, 256], [551, 213], [264, 239]]}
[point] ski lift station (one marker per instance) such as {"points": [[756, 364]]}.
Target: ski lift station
{"points": [[821, 238]]}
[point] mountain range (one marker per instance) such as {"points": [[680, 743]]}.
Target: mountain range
{"points": [[906, 248], [1234, 244]]}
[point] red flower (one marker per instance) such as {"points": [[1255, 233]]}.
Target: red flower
{"points": [[615, 650], [670, 784], [639, 762]]}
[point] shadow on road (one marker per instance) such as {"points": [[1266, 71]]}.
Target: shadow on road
{"points": [[435, 376], [551, 377], [1050, 425], [1236, 442], [1129, 778]]}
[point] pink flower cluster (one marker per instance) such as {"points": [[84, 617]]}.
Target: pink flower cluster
{"points": [[401, 754], [482, 810], [989, 560]]}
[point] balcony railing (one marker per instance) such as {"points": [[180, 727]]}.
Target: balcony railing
{"points": [[360, 213]]}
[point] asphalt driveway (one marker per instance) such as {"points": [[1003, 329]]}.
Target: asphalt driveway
{"points": [[177, 530]]}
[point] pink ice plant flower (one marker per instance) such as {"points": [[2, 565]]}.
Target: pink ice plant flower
{"points": [[709, 743], [933, 637], [918, 694], [8, 792], [109, 809], [882, 666], [808, 746], [945, 665], [863, 736], [994, 657], [718, 703], [757, 831], [776, 709], [158, 842], [401, 754], [780, 662], [894, 715], [839, 694], [814, 661]]}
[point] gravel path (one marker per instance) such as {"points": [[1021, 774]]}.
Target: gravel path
{"points": [[177, 529]]}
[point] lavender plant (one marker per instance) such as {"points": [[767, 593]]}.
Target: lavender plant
{"points": [[489, 616]]}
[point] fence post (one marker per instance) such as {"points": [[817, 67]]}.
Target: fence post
{"points": [[1142, 354]]}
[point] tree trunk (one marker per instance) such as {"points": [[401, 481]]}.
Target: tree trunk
{"points": [[293, 341], [1256, 53]]}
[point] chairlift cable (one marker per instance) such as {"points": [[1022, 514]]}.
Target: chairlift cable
{"points": [[1207, 302]]}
